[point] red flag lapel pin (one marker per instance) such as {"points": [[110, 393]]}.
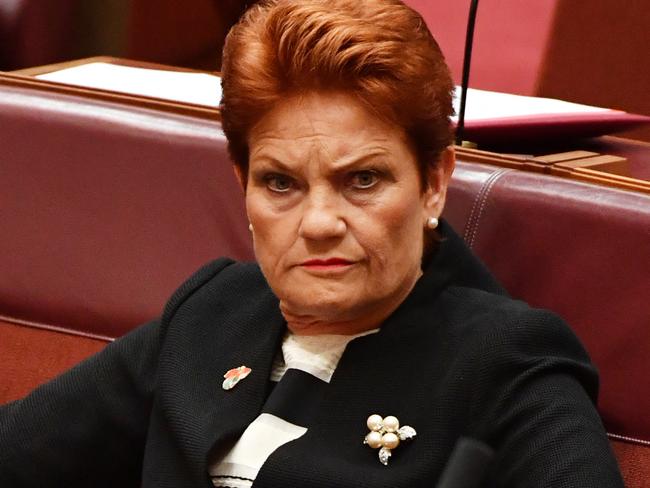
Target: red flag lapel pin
{"points": [[234, 376]]}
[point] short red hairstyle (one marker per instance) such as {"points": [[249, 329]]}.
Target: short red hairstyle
{"points": [[380, 51]]}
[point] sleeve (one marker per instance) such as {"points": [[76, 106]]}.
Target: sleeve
{"points": [[536, 390], [88, 426]]}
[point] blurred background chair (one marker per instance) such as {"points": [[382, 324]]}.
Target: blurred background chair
{"points": [[577, 50], [186, 33]]}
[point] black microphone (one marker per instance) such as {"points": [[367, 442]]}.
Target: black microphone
{"points": [[467, 464], [467, 60]]}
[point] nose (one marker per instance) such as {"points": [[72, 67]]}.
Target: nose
{"points": [[322, 217]]}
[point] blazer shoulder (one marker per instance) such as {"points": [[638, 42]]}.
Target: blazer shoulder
{"points": [[483, 310], [501, 336], [219, 270], [502, 321]]}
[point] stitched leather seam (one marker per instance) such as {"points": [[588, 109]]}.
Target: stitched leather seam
{"points": [[470, 220], [55, 328], [472, 214], [471, 230], [632, 440]]}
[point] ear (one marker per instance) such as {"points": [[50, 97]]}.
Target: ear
{"points": [[437, 180], [241, 177]]}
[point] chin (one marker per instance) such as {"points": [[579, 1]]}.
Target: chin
{"points": [[326, 305]]}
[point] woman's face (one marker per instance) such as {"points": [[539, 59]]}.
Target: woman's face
{"points": [[338, 209]]}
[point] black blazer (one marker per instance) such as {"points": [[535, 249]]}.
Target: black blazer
{"points": [[458, 358]]}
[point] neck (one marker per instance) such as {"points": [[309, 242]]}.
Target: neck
{"points": [[306, 325], [343, 322]]}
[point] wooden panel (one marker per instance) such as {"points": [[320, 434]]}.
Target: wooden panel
{"points": [[25, 78], [609, 170]]}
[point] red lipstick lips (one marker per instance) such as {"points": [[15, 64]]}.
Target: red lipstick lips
{"points": [[327, 262]]}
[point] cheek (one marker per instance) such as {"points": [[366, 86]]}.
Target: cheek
{"points": [[273, 233], [393, 234]]}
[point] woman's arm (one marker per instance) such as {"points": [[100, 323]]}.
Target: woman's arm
{"points": [[537, 390], [88, 426]]}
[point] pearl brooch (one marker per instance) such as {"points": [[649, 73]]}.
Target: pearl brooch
{"points": [[375, 422], [386, 434], [374, 440], [391, 424]]}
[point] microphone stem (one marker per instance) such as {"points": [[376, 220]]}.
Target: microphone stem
{"points": [[467, 60]]}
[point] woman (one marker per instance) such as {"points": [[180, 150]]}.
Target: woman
{"points": [[366, 312]]}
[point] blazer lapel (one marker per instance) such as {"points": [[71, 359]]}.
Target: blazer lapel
{"points": [[206, 344], [231, 411]]}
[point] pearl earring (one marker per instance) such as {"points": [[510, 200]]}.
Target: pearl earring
{"points": [[250, 227], [432, 223]]}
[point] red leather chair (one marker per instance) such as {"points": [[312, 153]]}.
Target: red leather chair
{"points": [[577, 50], [108, 207], [580, 250]]}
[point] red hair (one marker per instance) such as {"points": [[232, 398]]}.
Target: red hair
{"points": [[378, 50]]}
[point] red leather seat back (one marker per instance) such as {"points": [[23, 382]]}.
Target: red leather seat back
{"points": [[31, 356], [580, 250], [634, 460], [107, 208]]}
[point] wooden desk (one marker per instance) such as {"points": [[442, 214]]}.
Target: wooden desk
{"points": [[26, 78], [613, 161], [606, 160]]}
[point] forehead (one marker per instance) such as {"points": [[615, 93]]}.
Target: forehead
{"points": [[332, 124]]}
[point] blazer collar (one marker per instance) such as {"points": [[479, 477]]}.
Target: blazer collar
{"points": [[452, 264], [206, 339]]}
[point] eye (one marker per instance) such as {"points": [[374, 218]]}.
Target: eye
{"points": [[362, 180], [278, 183]]}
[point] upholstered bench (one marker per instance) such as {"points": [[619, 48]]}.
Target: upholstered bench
{"points": [[583, 251], [107, 207]]}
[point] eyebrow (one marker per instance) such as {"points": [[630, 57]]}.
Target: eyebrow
{"points": [[344, 164], [338, 166]]}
